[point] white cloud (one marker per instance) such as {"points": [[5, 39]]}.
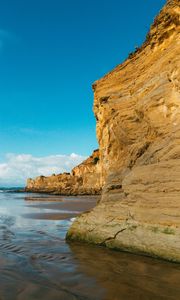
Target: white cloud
{"points": [[17, 168]]}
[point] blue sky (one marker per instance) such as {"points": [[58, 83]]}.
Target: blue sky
{"points": [[51, 51]]}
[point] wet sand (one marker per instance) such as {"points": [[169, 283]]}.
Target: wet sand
{"points": [[43, 198], [36, 263], [68, 207]]}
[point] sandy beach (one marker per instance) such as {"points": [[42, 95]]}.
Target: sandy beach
{"points": [[61, 207], [32, 241]]}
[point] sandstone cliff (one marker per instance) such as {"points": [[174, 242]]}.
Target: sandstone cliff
{"points": [[83, 180], [137, 107]]}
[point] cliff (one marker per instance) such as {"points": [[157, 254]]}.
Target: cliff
{"points": [[137, 108], [83, 180]]}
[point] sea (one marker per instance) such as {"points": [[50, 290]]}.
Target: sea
{"points": [[36, 262]]}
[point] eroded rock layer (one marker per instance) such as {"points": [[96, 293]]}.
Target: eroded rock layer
{"points": [[83, 180], [137, 107]]}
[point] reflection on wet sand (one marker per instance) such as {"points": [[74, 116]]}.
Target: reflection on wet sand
{"points": [[37, 263], [51, 216], [127, 276]]}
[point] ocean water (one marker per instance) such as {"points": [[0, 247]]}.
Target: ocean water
{"points": [[37, 263]]}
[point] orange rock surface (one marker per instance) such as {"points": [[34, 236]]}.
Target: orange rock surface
{"points": [[84, 179], [137, 107]]}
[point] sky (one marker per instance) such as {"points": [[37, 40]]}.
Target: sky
{"points": [[51, 51]]}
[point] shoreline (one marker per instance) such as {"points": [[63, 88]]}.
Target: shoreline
{"points": [[59, 208], [49, 267]]}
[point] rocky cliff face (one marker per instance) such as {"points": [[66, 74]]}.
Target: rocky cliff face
{"points": [[84, 179], [137, 107]]}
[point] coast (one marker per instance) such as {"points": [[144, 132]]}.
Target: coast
{"points": [[137, 166], [84, 179]]}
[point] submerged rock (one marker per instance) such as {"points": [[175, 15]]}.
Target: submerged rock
{"points": [[137, 107]]}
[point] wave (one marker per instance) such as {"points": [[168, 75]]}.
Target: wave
{"points": [[72, 220], [11, 190], [4, 190]]}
